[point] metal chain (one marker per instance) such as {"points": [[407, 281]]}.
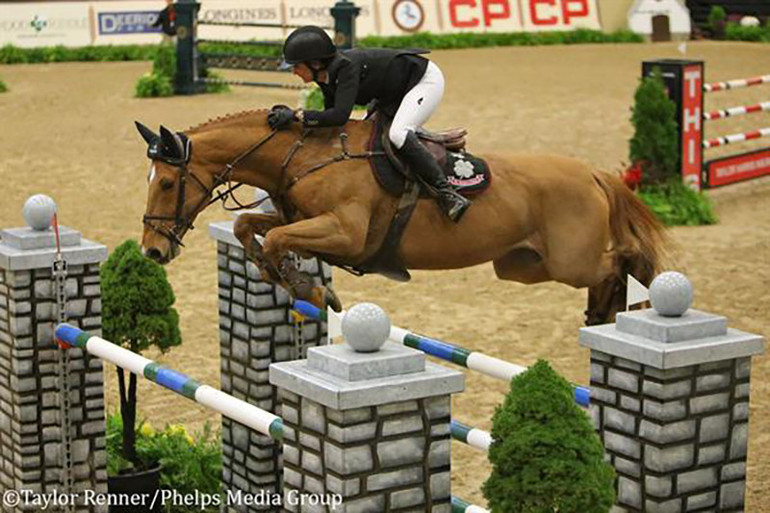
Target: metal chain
{"points": [[59, 271]]}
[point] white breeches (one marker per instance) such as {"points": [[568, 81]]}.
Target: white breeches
{"points": [[418, 105]]}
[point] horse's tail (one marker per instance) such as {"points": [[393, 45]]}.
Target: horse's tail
{"points": [[638, 239]]}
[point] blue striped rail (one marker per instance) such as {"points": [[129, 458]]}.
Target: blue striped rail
{"points": [[249, 415], [449, 352]]}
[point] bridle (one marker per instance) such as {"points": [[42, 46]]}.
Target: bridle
{"points": [[184, 222]]}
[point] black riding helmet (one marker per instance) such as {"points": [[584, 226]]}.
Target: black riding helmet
{"points": [[307, 44]]}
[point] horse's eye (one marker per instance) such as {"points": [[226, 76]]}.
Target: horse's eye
{"points": [[166, 184]]}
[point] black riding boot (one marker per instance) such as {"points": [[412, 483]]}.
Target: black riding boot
{"points": [[422, 163]]}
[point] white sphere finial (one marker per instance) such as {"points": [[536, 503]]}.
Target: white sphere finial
{"points": [[38, 212], [366, 327], [671, 294]]}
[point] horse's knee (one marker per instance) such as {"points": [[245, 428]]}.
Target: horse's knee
{"points": [[242, 229], [274, 244]]}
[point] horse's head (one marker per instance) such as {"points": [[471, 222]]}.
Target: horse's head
{"points": [[176, 193]]}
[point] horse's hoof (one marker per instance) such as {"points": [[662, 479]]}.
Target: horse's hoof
{"points": [[323, 296], [332, 300]]}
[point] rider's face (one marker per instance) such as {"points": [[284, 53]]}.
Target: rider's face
{"points": [[303, 71]]}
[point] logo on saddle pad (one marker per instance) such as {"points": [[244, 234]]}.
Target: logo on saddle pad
{"points": [[464, 172]]}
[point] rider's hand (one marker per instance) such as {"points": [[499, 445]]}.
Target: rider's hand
{"points": [[281, 117]]}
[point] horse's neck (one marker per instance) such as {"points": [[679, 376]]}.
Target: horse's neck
{"points": [[256, 159], [264, 166]]}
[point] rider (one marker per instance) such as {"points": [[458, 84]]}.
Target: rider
{"points": [[403, 84]]}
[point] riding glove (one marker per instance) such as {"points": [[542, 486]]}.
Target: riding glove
{"points": [[280, 118]]}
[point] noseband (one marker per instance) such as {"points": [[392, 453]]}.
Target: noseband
{"points": [[183, 222]]}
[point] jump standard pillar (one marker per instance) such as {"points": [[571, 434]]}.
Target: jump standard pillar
{"points": [[670, 400], [33, 445]]}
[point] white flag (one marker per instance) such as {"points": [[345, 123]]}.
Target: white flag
{"points": [[682, 48], [635, 292], [334, 323]]}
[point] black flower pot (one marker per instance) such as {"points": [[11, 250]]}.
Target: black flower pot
{"points": [[145, 483]]}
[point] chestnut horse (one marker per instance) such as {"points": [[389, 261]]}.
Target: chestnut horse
{"points": [[543, 218]]}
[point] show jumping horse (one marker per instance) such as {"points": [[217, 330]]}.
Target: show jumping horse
{"points": [[543, 217]]}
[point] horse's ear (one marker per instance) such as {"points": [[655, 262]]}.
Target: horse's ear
{"points": [[148, 135], [171, 143]]}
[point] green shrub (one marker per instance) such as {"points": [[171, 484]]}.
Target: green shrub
{"points": [[716, 21], [188, 464], [151, 85], [215, 87], [655, 140], [312, 98], [735, 32], [676, 204], [159, 82], [10, 54], [545, 453], [164, 63], [137, 314], [3, 87]]}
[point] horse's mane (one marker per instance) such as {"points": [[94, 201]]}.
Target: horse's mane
{"points": [[235, 116]]}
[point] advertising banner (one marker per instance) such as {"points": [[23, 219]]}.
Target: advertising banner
{"points": [[517, 15], [130, 22], [45, 24], [126, 23]]}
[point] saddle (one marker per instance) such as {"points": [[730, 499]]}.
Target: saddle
{"points": [[468, 174]]}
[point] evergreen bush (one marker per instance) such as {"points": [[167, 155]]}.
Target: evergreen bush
{"points": [[655, 140], [716, 21], [3, 87], [137, 315], [545, 453]]}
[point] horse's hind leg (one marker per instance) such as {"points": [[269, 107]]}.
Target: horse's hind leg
{"points": [[523, 265], [605, 300]]}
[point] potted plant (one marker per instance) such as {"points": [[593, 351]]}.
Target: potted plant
{"points": [[137, 314], [190, 464]]}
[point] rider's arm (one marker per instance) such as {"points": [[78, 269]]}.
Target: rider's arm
{"points": [[338, 112]]}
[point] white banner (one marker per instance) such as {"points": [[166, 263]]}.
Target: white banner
{"points": [[129, 22], [45, 24]]}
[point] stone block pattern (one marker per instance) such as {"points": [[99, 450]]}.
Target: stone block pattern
{"points": [[255, 331], [30, 426], [676, 437], [394, 457]]}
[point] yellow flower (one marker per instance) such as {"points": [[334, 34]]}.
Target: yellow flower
{"points": [[179, 429], [147, 430]]}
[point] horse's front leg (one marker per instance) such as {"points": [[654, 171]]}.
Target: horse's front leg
{"points": [[245, 229], [331, 233]]}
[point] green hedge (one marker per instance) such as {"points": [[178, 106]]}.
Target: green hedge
{"points": [[3, 87], [477, 40], [10, 54]]}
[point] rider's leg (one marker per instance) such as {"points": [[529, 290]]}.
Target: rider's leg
{"points": [[415, 109]]}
